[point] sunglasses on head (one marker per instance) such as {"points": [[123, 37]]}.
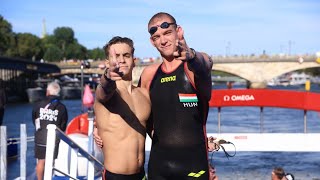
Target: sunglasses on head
{"points": [[164, 25]]}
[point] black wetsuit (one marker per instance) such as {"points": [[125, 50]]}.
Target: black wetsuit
{"points": [[48, 111], [106, 175], [179, 148]]}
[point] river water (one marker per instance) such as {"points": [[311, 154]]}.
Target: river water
{"points": [[244, 166]]}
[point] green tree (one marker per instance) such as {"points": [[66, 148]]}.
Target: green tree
{"points": [[12, 50], [6, 35], [29, 46], [48, 40], [75, 51], [64, 36], [96, 54], [62, 44], [53, 53]]}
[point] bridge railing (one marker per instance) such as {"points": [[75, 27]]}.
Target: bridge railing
{"points": [[263, 58]]}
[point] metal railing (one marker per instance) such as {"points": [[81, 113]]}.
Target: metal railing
{"points": [[53, 131]]}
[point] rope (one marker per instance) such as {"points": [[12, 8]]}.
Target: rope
{"points": [[17, 140], [225, 152]]}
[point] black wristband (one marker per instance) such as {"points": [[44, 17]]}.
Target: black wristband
{"points": [[107, 84], [194, 55], [105, 74]]}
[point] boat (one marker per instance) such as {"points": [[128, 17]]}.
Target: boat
{"points": [[38, 93], [293, 79], [78, 125], [70, 87], [70, 92], [299, 78]]}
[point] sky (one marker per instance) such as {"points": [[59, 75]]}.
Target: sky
{"points": [[216, 27]]}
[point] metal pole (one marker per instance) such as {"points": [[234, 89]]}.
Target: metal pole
{"points": [[90, 166], [81, 87], [74, 162], [219, 119], [289, 47], [3, 152], [305, 121], [23, 151], [261, 120], [51, 139]]}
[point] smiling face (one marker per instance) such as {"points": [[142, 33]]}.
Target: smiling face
{"points": [[164, 39], [123, 57]]}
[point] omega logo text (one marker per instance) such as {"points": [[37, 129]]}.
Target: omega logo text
{"points": [[238, 98]]}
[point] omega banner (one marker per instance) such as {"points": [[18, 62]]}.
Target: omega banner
{"points": [[265, 97]]}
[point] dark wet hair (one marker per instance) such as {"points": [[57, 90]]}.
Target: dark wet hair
{"points": [[117, 40], [160, 15], [279, 172]]}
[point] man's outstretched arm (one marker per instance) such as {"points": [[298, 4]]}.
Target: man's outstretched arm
{"points": [[105, 89], [201, 66]]}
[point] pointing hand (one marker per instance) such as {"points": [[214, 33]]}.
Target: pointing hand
{"points": [[113, 72], [183, 52]]}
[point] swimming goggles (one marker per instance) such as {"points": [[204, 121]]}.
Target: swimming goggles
{"points": [[164, 25]]}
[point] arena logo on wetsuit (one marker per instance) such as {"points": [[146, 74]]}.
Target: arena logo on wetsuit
{"points": [[168, 79], [188, 100], [48, 114]]}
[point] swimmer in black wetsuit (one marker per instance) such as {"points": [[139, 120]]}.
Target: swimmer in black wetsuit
{"points": [[180, 89]]}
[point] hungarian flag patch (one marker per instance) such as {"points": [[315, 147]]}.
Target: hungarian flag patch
{"points": [[188, 98]]}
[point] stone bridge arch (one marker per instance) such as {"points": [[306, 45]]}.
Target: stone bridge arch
{"points": [[258, 73], [255, 70]]}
